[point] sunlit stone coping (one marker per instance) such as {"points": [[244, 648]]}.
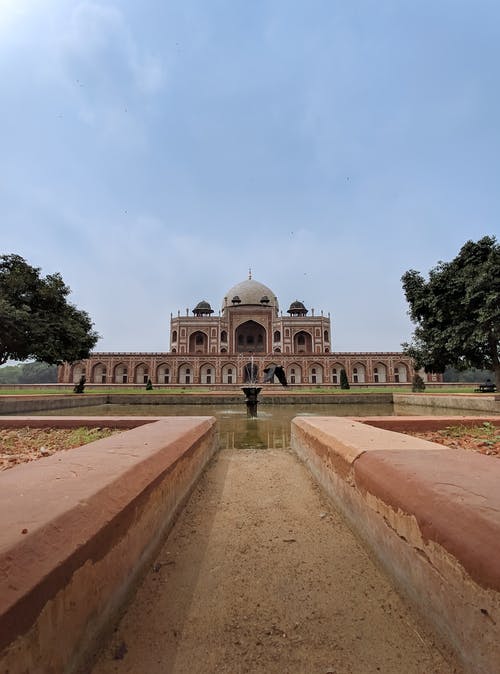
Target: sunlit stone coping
{"points": [[431, 515], [78, 528]]}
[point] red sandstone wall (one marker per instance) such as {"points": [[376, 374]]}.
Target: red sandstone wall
{"points": [[76, 531], [430, 514]]}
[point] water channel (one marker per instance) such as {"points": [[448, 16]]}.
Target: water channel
{"points": [[271, 428]]}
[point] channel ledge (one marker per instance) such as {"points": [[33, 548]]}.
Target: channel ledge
{"points": [[77, 531], [429, 514]]}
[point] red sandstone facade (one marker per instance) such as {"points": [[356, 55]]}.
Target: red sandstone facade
{"points": [[248, 335]]}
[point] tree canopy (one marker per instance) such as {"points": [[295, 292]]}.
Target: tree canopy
{"points": [[36, 319], [457, 311]]}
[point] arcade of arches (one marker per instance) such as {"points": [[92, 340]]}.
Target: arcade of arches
{"points": [[249, 333], [120, 368]]}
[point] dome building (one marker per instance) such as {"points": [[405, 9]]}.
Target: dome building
{"points": [[249, 333]]}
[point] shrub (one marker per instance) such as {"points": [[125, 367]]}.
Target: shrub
{"points": [[79, 388], [344, 382], [417, 383]]}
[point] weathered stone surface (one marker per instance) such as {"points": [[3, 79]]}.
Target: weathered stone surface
{"points": [[430, 514], [76, 531]]}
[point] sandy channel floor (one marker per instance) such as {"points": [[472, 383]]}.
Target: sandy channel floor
{"points": [[260, 574]]}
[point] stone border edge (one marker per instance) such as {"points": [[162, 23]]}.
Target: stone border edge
{"points": [[344, 457], [78, 564]]}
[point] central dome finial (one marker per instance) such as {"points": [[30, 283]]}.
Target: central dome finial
{"points": [[249, 273]]}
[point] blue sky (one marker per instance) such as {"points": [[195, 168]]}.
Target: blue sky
{"points": [[153, 151]]}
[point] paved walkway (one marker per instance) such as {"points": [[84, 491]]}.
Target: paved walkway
{"points": [[261, 575]]}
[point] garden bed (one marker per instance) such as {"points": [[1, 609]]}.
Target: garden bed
{"points": [[484, 438], [20, 445]]}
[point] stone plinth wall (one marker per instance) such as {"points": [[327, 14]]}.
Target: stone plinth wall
{"points": [[423, 424], [77, 530], [431, 515], [461, 401], [23, 404]]}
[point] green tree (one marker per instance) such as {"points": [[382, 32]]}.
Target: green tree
{"points": [[457, 311], [28, 373], [9, 374], [344, 382], [38, 373], [469, 375], [36, 320]]}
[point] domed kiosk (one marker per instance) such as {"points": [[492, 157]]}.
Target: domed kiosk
{"points": [[203, 308]]}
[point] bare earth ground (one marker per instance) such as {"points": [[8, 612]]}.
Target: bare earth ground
{"points": [[20, 445], [261, 575], [484, 439]]}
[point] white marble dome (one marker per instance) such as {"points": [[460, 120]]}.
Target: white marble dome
{"points": [[250, 292]]}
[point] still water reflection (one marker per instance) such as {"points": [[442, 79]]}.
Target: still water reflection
{"points": [[270, 429]]}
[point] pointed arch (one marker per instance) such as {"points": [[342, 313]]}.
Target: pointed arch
{"points": [[400, 373], [358, 373], [335, 372], [315, 373], [229, 373], [141, 373], [120, 373], [98, 374], [302, 342], [250, 337], [198, 342], [379, 373], [294, 373], [163, 373], [185, 373], [207, 373]]}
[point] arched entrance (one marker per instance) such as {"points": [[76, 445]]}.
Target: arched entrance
{"points": [[302, 342], [141, 374], [198, 342], [400, 373], [99, 374], [294, 374], [185, 374], [379, 373], [120, 374], [250, 337], [336, 370], [358, 373], [78, 372], [229, 374], [163, 374], [316, 374], [207, 374]]}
